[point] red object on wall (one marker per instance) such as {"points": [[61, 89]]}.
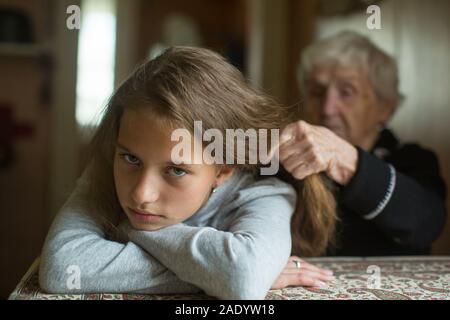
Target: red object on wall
{"points": [[9, 132]]}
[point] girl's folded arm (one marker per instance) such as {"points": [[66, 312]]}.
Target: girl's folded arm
{"points": [[76, 258], [241, 263]]}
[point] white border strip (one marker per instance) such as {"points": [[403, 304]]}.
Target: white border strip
{"points": [[386, 198]]}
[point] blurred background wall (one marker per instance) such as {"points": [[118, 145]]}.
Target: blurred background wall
{"points": [[54, 80]]}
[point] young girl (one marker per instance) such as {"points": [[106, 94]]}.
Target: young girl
{"points": [[138, 222]]}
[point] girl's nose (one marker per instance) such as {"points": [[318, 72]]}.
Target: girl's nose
{"points": [[145, 191]]}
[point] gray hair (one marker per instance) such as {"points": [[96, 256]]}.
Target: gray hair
{"points": [[348, 48]]}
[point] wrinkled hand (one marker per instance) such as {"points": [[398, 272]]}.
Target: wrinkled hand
{"points": [[306, 149], [308, 275]]}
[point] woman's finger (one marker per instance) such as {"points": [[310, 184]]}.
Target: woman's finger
{"points": [[298, 145], [294, 161], [287, 150], [297, 154], [289, 133], [311, 163], [284, 147], [302, 171]]}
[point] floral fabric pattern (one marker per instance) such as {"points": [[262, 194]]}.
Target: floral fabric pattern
{"points": [[382, 278]]}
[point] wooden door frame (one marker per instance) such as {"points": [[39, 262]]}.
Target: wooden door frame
{"points": [[63, 137]]}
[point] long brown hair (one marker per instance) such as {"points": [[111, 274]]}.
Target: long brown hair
{"points": [[184, 85]]}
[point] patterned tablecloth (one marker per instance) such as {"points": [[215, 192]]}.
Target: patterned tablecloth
{"points": [[393, 278]]}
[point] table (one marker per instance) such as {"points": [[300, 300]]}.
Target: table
{"points": [[357, 278]]}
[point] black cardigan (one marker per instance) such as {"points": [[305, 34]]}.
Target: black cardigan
{"points": [[394, 204]]}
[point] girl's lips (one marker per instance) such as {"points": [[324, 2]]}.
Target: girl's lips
{"points": [[145, 216]]}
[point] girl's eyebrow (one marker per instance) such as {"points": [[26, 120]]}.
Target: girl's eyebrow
{"points": [[121, 146], [170, 163], [186, 165]]}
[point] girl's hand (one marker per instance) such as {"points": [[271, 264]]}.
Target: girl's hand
{"points": [[307, 275]]}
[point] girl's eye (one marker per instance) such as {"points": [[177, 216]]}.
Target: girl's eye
{"points": [[177, 172], [130, 159]]}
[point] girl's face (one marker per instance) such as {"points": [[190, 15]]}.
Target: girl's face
{"points": [[152, 191]]}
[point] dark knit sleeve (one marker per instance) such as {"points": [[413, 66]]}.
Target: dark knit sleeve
{"points": [[404, 196]]}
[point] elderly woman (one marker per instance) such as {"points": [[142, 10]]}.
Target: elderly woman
{"points": [[390, 195]]}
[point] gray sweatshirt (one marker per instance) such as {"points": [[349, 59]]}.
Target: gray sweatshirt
{"points": [[233, 247]]}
